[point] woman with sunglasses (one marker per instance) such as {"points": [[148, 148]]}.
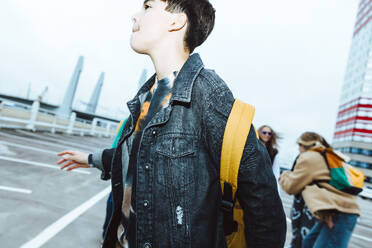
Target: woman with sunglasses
{"points": [[269, 138]]}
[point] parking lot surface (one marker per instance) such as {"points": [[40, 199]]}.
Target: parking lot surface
{"points": [[42, 206]]}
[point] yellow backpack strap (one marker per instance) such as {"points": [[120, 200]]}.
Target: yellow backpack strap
{"points": [[234, 139]]}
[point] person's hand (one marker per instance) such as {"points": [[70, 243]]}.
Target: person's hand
{"points": [[73, 160], [329, 221]]}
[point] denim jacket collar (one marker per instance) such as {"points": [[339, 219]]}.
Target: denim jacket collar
{"points": [[134, 105], [182, 88], [184, 82]]}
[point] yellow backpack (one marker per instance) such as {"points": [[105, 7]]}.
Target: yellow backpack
{"points": [[235, 137]]}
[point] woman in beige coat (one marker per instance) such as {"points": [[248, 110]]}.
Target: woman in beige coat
{"points": [[335, 211]]}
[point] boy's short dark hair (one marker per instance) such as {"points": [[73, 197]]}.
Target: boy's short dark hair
{"points": [[200, 15]]}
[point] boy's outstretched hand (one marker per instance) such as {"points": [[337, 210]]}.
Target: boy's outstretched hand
{"points": [[73, 160]]}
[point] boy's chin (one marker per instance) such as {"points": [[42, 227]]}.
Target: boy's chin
{"points": [[138, 49]]}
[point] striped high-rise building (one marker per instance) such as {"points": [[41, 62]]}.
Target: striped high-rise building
{"points": [[353, 133]]}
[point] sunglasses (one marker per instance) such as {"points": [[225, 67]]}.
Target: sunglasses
{"points": [[267, 133]]}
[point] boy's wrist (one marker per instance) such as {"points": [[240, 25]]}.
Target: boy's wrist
{"points": [[90, 160]]}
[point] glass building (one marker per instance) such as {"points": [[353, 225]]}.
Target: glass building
{"points": [[353, 132]]}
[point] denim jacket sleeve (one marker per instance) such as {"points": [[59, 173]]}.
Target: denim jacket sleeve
{"points": [[265, 223], [102, 160], [264, 218]]}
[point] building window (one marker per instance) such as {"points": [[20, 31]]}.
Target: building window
{"points": [[368, 179], [360, 164]]}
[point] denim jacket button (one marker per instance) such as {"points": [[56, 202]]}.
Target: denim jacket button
{"points": [[146, 204], [154, 133], [147, 245], [147, 167]]}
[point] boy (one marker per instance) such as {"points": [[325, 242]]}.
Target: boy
{"points": [[165, 171]]}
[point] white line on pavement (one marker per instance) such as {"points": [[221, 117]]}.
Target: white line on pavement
{"points": [[62, 147], [361, 237], [40, 164], [28, 147], [363, 227], [48, 139], [18, 190], [353, 235], [60, 224], [96, 142]]}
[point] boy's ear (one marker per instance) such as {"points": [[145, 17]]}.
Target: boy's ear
{"points": [[179, 21]]}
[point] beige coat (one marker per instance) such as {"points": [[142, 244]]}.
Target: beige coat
{"points": [[311, 166]]}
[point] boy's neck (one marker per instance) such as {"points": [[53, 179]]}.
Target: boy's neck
{"points": [[168, 62]]}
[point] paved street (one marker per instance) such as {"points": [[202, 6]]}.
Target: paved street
{"points": [[42, 206]]}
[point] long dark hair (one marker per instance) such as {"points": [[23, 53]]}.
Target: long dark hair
{"points": [[271, 145]]}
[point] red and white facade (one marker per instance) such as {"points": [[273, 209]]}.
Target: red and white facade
{"points": [[353, 132], [354, 121]]}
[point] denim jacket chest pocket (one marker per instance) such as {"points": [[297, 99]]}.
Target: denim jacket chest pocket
{"points": [[175, 161]]}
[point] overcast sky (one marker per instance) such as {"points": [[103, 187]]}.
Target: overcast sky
{"points": [[288, 57]]}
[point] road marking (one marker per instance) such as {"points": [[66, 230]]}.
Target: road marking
{"points": [[363, 227], [40, 164], [28, 147], [60, 224], [361, 237], [47, 139], [80, 139], [62, 147], [18, 190], [5, 150], [353, 235]]}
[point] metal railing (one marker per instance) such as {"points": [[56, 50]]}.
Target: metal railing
{"points": [[22, 116]]}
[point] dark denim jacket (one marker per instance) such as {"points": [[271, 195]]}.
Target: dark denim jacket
{"points": [[178, 192]]}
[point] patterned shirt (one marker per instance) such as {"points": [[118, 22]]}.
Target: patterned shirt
{"points": [[157, 98]]}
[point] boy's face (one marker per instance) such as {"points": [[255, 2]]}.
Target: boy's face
{"points": [[150, 26]]}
